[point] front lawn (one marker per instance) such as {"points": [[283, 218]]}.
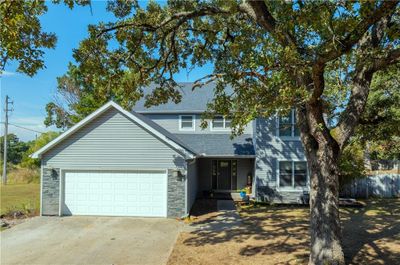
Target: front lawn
{"points": [[279, 235], [20, 197]]}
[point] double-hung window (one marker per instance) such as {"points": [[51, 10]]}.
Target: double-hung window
{"points": [[287, 125], [220, 123], [187, 122], [293, 174]]}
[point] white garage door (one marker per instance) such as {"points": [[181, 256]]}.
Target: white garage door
{"points": [[115, 193]]}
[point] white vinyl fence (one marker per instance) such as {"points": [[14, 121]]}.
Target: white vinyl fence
{"points": [[385, 186]]}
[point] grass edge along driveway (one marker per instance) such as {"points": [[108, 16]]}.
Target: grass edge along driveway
{"points": [[20, 197]]}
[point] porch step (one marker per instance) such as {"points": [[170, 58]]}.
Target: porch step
{"points": [[225, 205], [236, 197]]}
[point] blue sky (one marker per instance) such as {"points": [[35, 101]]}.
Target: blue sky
{"points": [[31, 94]]}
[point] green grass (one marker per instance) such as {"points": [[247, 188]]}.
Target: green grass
{"points": [[20, 197]]}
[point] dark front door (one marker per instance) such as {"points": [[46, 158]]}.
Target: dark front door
{"points": [[224, 174]]}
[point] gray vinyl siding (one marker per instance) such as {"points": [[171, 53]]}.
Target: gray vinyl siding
{"points": [[204, 165], [171, 123], [270, 149], [192, 184], [245, 167], [113, 141]]}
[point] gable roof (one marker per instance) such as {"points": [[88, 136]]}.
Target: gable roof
{"points": [[219, 144], [193, 101], [146, 123]]}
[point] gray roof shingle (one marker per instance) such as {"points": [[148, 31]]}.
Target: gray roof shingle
{"points": [[218, 144], [192, 101]]}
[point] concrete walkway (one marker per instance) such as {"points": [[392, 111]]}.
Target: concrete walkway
{"points": [[227, 219], [90, 240], [226, 205]]}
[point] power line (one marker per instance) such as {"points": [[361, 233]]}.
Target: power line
{"points": [[22, 127]]}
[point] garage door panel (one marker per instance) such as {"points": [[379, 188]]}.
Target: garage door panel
{"points": [[115, 193]]}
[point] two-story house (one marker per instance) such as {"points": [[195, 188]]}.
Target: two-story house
{"points": [[156, 161]]}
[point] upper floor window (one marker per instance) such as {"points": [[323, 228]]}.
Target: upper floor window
{"points": [[186, 122], [292, 174], [220, 123], [287, 125]]}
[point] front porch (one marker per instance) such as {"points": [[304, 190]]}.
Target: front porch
{"points": [[223, 195], [224, 176]]}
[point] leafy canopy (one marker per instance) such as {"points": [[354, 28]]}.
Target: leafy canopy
{"points": [[21, 36], [274, 54]]}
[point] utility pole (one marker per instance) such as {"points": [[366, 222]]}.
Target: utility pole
{"points": [[6, 110]]}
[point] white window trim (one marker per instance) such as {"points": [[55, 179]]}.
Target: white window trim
{"points": [[193, 123], [224, 124], [293, 125], [292, 188]]}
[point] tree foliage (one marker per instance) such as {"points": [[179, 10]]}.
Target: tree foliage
{"points": [[379, 129], [15, 150], [21, 36], [378, 134], [18, 152], [352, 163], [35, 145], [153, 43]]}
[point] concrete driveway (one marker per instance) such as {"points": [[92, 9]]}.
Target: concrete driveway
{"points": [[89, 240]]}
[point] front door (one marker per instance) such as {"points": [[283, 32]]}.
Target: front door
{"points": [[224, 174]]}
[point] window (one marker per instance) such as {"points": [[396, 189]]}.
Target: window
{"points": [[287, 125], [186, 122], [292, 174], [285, 174], [220, 123]]}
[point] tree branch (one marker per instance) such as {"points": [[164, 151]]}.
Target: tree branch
{"points": [[386, 8], [391, 58], [355, 37], [181, 16], [259, 12], [317, 76], [358, 99], [208, 79], [366, 66]]}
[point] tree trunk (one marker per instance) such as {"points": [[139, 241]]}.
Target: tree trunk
{"points": [[325, 227]]}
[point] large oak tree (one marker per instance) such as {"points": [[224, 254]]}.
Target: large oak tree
{"points": [[318, 57]]}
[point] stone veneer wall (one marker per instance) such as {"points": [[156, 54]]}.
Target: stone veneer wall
{"points": [[50, 191], [176, 195]]}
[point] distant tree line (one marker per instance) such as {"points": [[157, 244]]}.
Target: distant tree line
{"points": [[18, 152]]}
